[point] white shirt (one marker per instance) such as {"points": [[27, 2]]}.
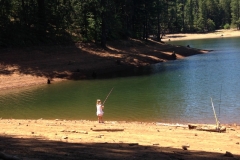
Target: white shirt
{"points": [[99, 110]]}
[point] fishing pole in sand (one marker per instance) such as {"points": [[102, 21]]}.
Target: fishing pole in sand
{"points": [[217, 122], [107, 96]]}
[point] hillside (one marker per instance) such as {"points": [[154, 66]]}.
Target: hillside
{"points": [[34, 65]]}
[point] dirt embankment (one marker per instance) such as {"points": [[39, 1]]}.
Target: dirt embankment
{"points": [[35, 65]]}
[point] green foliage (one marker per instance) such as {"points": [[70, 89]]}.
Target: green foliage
{"points": [[225, 11], [226, 26], [235, 12], [238, 23], [33, 22], [200, 25], [210, 25]]}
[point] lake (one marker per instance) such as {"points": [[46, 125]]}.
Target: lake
{"points": [[175, 92]]}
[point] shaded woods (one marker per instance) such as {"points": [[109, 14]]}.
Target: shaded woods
{"points": [[34, 22]]}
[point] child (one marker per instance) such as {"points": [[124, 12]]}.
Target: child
{"points": [[100, 111]]}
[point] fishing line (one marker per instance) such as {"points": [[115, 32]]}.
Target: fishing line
{"points": [[107, 96]]}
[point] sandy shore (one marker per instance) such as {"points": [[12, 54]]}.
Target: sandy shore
{"points": [[81, 139], [224, 33]]}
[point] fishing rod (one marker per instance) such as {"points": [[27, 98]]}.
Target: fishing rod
{"points": [[217, 122], [220, 101], [107, 96]]}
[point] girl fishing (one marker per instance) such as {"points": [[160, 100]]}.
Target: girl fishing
{"points": [[100, 107], [99, 111]]}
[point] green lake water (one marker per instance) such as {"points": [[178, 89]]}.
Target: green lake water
{"points": [[175, 92]]}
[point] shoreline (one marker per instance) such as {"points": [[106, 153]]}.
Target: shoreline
{"points": [[223, 33], [170, 124], [36, 65], [68, 139]]}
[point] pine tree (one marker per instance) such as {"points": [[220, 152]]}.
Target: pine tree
{"points": [[235, 12]]}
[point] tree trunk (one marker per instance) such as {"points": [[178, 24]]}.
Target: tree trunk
{"points": [[41, 19], [103, 35], [158, 22]]}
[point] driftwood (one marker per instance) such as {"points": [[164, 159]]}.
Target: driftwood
{"points": [[172, 125], [74, 131], [107, 129], [5, 156], [210, 128], [133, 144]]}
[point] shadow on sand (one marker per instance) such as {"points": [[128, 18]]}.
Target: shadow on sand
{"points": [[36, 148]]}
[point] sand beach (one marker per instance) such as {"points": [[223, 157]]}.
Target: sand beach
{"points": [[82, 139], [223, 33]]}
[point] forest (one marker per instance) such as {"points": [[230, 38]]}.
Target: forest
{"points": [[36, 22]]}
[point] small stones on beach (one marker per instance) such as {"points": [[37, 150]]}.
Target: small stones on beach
{"points": [[228, 154], [156, 144], [185, 147], [64, 137], [133, 144], [232, 129], [83, 132], [174, 57], [74, 131], [32, 132], [237, 143], [196, 134]]}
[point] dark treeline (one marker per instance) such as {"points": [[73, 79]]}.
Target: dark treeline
{"points": [[33, 22]]}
